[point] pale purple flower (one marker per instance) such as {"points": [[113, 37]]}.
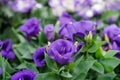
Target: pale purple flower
{"points": [[49, 32], [6, 49], [112, 4], [22, 5], [38, 56], [24, 75], [31, 27], [62, 51]]}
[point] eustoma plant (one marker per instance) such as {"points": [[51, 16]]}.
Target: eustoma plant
{"points": [[42, 48]]}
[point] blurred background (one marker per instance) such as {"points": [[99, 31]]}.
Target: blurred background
{"points": [[13, 13]]}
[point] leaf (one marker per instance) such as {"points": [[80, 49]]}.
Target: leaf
{"points": [[110, 53], [66, 74], [81, 70], [27, 65], [95, 46], [12, 34], [107, 76], [26, 50], [100, 53], [51, 64], [98, 67], [6, 68], [42, 38], [107, 14], [47, 76], [110, 63]]}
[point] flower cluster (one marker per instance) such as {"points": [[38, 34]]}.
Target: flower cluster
{"points": [[84, 8]]}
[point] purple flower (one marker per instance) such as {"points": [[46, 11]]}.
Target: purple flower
{"points": [[6, 49], [67, 31], [0, 71], [116, 46], [38, 56], [84, 27], [22, 5], [1, 43], [31, 27], [62, 51], [49, 31], [80, 45], [65, 18], [111, 31], [24, 75], [81, 28]]}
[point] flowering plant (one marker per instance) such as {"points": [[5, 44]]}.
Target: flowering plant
{"points": [[82, 43]]}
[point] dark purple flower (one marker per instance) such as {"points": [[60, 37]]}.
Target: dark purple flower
{"points": [[65, 18], [49, 31], [6, 49], [67, 31], [80, 45], [107, 46], [24, 75], [0, 71], [1, 43], [62, 51], [111, 31], [22, 5], [84, 27], [116, 46], [38, 56], [31, 27]]}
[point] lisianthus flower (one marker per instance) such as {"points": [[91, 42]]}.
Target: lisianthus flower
{"points": [[111, 31], [38, 56], [62, 51], [31, 27], [65, 18], [24, 75], [49, 31], [6, 49]]}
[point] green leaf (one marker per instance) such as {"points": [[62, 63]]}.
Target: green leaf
{"points": [[107, 76], [6, 68], [47, 76], [12, 34], [81, 70], [100, 53], [42, 38], [25, 50], [29, 66], [51, 64], [110, 63], [98, 67], [95, 46], [110, 53], [66, 74], [107, 14]]}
